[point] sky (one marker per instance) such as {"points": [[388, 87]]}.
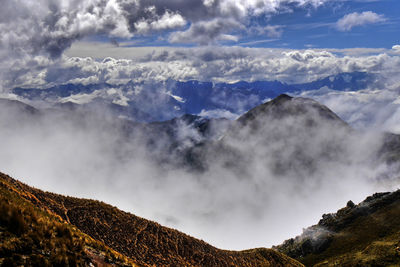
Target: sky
{"points": [[289, 24], [44, 43]]}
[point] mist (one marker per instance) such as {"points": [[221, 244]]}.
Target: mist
{"points": [[258, 186]]}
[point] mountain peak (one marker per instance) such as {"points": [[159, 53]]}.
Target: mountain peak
{"points": [[282, 98], [285, 106]]}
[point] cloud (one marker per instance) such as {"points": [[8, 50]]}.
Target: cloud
{"points": [[396, 49], [273, 31], [46, 26], [168, 21], [152, 68], [207, 32], [218, 113], [355, 19], [210, 63], [102, 158], [375, 108]]}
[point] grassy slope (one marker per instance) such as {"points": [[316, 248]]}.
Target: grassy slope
{"points": [[145, 242], [367, 234], [31, 236], [371, 240]]}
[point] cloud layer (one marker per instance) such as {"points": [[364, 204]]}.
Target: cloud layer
{"points": [[284, 177], [206, 64]]}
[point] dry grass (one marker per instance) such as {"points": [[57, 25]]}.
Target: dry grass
{"points": [[33, 237], [145, 242]]}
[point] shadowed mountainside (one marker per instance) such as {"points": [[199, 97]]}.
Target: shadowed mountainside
{"points": [[146, 243], [291, 136]]}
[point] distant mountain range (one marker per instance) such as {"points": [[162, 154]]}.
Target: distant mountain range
{"points": [[145, 102]]}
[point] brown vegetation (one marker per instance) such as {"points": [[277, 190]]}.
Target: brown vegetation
{"points": [[145, 242], [367, 234], [33, 237]]}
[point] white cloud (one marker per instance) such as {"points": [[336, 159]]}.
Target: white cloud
{"points": [[231, 208], [167, 21], [376, 108], [49, 27], [207, 32], [352, 20], [219, 113], [273, 31], [396, 49], [218, 64]]}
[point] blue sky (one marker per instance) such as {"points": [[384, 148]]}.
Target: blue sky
{"points": [[301, 27], [318, 29]]}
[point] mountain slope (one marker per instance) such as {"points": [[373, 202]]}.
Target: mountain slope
{"points": [[30, 236], [350, 81], [145, 242], [367, 234], [289, 136]]}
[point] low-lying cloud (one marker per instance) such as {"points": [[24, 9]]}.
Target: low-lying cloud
{"points": [[268, 186]]}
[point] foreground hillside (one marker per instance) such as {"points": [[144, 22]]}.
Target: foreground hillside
{"points": [[65, 218], [367, 234], [31, 236]]}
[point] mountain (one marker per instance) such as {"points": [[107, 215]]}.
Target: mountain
{"points": [[168, 99], [286, 127], [289, 136], [86, 228], [33, 236], [18, 106], [165, 142], [234, 97], [289, 141], [348, 81], [367, 234], [286, 106]]}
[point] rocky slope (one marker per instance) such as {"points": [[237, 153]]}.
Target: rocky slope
{"points": [[146, 243], [367, 234]]}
